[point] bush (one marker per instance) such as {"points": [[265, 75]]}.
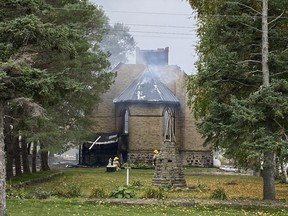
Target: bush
{"points": [[154, 193], [122, 192], [39, 193], [219, 194], [15, 193], [97, 193], [68, 190], [137, 184], [202, 187]]}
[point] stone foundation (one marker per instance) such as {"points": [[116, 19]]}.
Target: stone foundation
{"points": [[193, 159], [197, 159], [140, 157]]}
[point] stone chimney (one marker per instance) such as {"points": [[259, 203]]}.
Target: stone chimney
{"points": [[157, 57]]}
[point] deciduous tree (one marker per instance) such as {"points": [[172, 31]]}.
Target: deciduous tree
{"points": [[118, 42]]}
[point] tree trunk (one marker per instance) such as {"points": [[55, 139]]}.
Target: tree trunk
{"points": [[44, 159], [17, 156], [265, 44], [268, 176], [34, 155], [277, 172], [283, 175], [25, 160], [9, 150], [9, 162], [2, 164], [269, 162]]}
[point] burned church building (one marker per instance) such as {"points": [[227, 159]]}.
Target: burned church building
{"points": [[134, 112]]}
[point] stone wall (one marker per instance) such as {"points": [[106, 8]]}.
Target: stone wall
{"points": [[140, 157], [192, 159], [197, 158], [145, 127]]}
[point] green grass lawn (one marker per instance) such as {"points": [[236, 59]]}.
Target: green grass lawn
{"points": [[65, 207], [237, 187]]}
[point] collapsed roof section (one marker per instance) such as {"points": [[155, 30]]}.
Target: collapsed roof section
{"points": [[104, 138], [147, 88]]}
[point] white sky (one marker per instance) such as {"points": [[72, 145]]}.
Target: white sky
{"points": [[158, 24]]}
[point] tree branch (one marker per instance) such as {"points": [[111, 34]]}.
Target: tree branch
{"points": [[273, 75], [276, 18], [257, 12], [249, 61], [8, 116], [259, 30], [284, 50], [35, 109], [241, 83]]}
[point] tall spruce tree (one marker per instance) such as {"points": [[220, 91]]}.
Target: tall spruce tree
{"points": [[45, 54], [240, 112]]}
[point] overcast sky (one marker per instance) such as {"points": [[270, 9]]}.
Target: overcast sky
{"points": [[158, 24]]}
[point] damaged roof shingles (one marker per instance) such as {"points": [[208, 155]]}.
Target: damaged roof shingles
{"points": [[147, 88]]}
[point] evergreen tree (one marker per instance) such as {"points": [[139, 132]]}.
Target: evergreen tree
{"points": [[240, 113], [45, 54]]}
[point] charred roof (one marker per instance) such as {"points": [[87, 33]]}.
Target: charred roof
{"points": [[147, 88]]}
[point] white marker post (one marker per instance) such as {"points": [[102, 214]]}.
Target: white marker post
{"points": [[127, 175]]}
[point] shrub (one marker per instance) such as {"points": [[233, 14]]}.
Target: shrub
{"points": [[39, 193], [68, 190], [122, 192], [97, 193], [219, 193], [202, 187], [15, 193], [156, 193], [74, 190], [137, 184]]}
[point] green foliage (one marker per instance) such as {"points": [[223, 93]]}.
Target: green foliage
{"points": [[97, 193], [137, 183], [202, 187], [122, 192], [236, 113], [39, 193], [46, 56], [219, 193], [67, 190], [15, 193], [154, 193]]}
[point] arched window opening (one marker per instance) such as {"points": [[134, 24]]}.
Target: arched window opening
{"points": [[126, 123], [169, 125], [166, 130]]}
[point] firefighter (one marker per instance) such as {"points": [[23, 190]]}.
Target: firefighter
{"points": [[116, 163], [155, 156]]}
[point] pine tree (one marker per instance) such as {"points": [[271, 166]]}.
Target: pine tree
{"points": [[240, 96], [46, 58]]}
